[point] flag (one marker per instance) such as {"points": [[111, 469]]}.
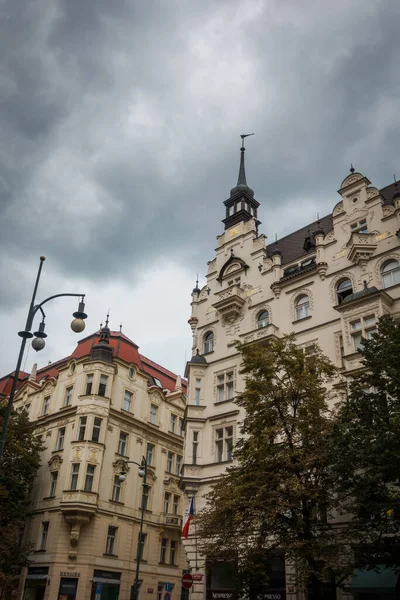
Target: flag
{"points": [[188, 518]]}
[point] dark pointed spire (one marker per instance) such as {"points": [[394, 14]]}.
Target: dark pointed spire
{"points": [[242, 172], [196, 289], [352, 169], [103, 349]]}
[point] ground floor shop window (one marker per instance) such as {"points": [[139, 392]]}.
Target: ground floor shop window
{"points": [[35, 583], [105, 585], [68, 588]]}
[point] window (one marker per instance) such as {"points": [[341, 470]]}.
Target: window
{"points": [[82, 429], [122, 443], [224, 443], [172, 552], [60, 439], [89, 384], [344, 289], [359, 227], [96, 429], [180, 426], [116, 491], [262, 319], [225, 389], [46, 403], [365, 327], [157, 382], [142, 543], [302, 307], [131, 372], [103, 385], [53, 483], [175, 506], [68, 396], [163, 551], [150, 454], [153, 414], [43, 535], [74, 476], [197, 391], [167, 498], [160, 590], [172, 423], [391, 273], [111, 539], [170, 461], [208, 342], [195, 444], [128, 400], [178, 464], [89, 478]]}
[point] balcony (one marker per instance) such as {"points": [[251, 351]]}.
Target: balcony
{"points": [[361, 247], [73, 501], [261, 336], [230, 302], [173, 521]]}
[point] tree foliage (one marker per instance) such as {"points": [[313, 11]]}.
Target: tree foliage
{"points": [[281, 493], [18, 468], [367, 443]]}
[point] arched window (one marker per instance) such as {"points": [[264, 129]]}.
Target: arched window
{"points": [[302, 307], [343, 289], [208, 342], [262, 319], [391, 273]]}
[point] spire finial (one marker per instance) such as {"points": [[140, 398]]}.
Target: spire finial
{"points": [[242, 173], [120, 327], [395, 180], [101, 324], [108, 316], [352, 169]]}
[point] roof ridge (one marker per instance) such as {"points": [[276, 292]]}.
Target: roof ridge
{"points": [[162, 369]]}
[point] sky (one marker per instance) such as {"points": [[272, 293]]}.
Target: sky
{"points": [[120, 124]]}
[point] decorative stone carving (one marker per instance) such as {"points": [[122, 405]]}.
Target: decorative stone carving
{"points": [[338, 210], [55, 462], [352, 179], [76, 521], [322, 268], [361, 247], [212, 266], [372, 192], [388, 211], [276, 288], [379, 264]]}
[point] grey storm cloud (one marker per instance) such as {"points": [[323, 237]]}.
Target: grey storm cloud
{"points": [[121, 122]]}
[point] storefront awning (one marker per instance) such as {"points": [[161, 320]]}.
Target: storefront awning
{"points": [[381, 580]]}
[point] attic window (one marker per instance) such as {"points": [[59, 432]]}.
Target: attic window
{"points": [[359, 226], [157, 382]]}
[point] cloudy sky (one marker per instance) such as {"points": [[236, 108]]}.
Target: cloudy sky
{"points": [[120, 123]]}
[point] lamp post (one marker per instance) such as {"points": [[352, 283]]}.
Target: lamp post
{"points": [[142, 473], [38, 343]]}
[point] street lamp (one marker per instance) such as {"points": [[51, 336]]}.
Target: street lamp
{"points": [[142, 473], [38, 343]]}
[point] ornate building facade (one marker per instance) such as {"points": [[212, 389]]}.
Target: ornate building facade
{"points": [[328, 282], [104, 405]]}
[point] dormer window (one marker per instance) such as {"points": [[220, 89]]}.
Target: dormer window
{"points": [[344, 289], [208, 342], [359, 226]]}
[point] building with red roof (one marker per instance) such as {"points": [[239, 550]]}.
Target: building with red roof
{"points": [[96, 411]]}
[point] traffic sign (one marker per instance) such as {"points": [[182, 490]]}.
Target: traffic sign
{"points": [[187, 581], [168, 587], [167, 596]]}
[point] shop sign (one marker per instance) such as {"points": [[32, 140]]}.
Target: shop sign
{"points": [[69, 574], [99, 574], [221, 595], [38, 570], [150, 590], [272, 595]]}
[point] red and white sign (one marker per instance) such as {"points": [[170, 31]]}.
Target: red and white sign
{"points": [[197, 576], [187, 581]]}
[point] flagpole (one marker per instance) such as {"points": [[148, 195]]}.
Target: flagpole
{"points": [[195, 532]]}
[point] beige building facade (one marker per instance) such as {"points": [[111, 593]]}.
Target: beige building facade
{"points": [[328, 282], [96, 410]]}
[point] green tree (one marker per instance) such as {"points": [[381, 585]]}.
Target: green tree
{"points": [[18, 468], [281, 494], [367, 445]]}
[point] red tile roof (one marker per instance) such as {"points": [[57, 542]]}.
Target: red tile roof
{"points": [[124, 348]]}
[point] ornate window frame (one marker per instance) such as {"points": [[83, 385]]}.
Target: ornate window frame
{"points": [[293, 301], [336, 280]]}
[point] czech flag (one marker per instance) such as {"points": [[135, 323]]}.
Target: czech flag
{"points": [[188, 518]]}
